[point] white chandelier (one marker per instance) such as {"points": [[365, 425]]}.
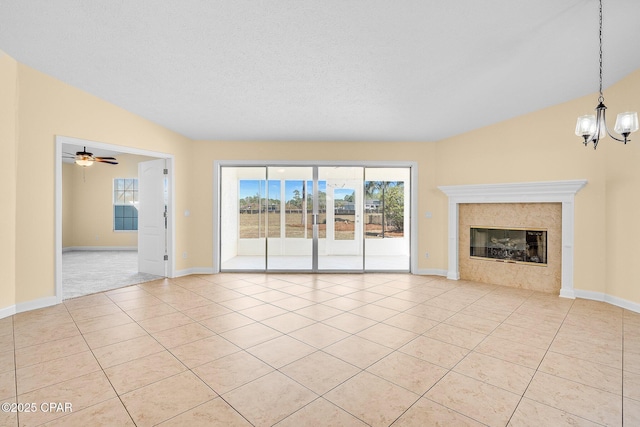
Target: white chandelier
{"points": [[593, 127]]}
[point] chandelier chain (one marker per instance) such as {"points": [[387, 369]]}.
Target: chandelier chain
{"points": [[601, 97]]}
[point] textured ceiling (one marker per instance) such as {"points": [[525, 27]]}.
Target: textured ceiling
{"points": [[325, 70]]}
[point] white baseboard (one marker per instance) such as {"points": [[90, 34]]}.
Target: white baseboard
{"points": [[28, 306], [596, 296], [194, 270], [623, 303], [431, 272], [54, 300], [37, 303], [601, 296], [99, 248], [7, 311]]}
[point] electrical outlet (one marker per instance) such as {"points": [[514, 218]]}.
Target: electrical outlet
{"points": [[426, 254], [185, 255]]}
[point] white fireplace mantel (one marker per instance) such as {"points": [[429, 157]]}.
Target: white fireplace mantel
{"points": [[526, 192]]}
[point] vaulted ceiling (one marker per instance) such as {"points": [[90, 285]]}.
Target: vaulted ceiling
{"points": [[325, 70]]}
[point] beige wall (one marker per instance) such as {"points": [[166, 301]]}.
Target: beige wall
{"points": [[499, 153], [537, 147], [48, 108], [542, 147], [8, 146], [87, 206], [622, 202]]}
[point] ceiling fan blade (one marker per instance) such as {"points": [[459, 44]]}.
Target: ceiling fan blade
{"points": [[106, 161], [104, 158]]}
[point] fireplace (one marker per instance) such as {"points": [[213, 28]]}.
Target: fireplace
{"points": [[514, 244], [561, 192], [517, 245]]}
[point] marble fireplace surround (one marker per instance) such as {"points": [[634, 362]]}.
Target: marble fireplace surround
{"points": [[527, 192]]}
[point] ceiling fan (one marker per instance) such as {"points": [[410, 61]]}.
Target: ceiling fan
{"points": [[84, 158]]}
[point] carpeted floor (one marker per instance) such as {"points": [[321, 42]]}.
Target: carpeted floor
{"points": [[88, 272]]}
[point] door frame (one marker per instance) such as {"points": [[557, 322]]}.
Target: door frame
{"points": [[59, 142], [412, 165]]}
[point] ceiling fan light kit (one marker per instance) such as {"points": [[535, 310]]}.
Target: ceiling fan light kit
{"points": [[84, 158], [84, 161], [593, 127]]}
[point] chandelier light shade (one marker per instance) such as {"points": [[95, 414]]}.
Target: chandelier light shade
{"points": [[593, 127], [586, 126], [626, 123]]}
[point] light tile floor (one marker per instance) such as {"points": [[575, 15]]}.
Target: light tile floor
{"points": [[313, 350]]}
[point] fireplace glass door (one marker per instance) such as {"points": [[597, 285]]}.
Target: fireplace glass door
{"points": [[509, 245]]}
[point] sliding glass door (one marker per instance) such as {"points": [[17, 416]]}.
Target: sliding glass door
{"points": [[340, 248], [314, 218], [387, 219], [243, 218], [290, 246]]}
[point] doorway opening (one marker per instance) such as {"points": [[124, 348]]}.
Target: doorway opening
{"points": [[102, 247], [330, 217]]}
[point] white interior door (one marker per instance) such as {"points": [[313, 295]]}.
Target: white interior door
{"points": [[152, 226]]}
